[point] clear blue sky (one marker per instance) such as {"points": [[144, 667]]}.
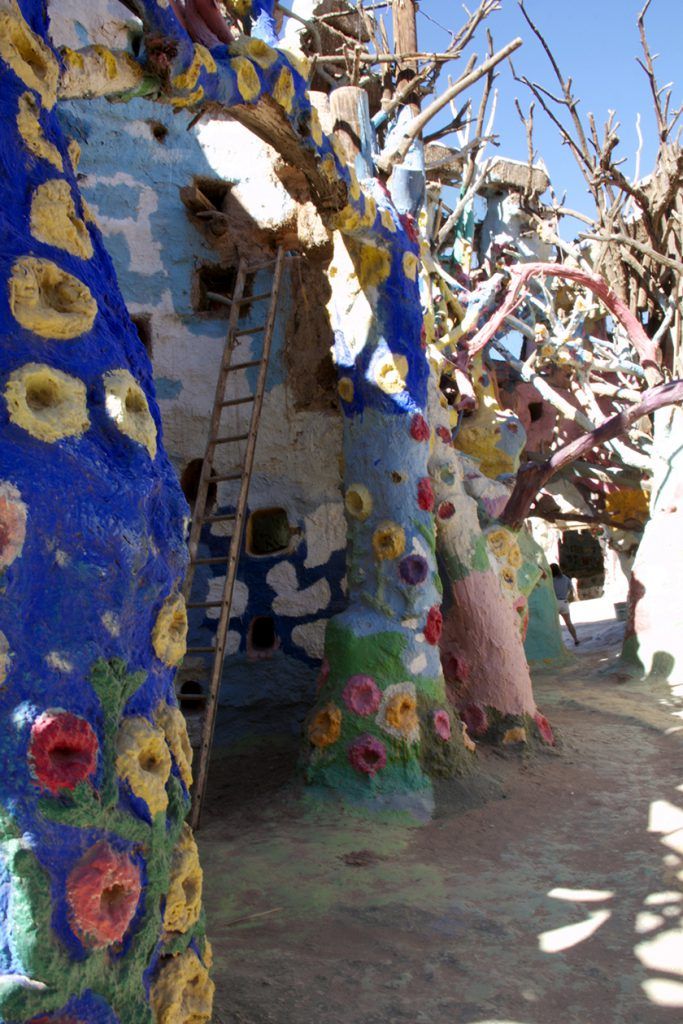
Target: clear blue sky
{"points": [[595, 42]]}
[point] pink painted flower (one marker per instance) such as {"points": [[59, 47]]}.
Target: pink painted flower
{"points": [[419, 428], [545, 729], [475, 718], [368, 755], [413, 569], [103, 892], [13, 516], [323, 674], [433, 625], [63, 750], [362, 695], [446, 510], [425, 494], [456, 667], [445, 435], [442, 724]]}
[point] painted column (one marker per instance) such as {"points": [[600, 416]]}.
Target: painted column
{"points": [[100, 902], [382, 723]]}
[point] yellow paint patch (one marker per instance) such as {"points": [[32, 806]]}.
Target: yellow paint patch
{"points": [[329, 168], [499, 541], [248, 82], [47, 403], [201, 59], [390, 374], [28, 124], [108, 60], [401, 714], [514, 556], [358, 502], [127, 405], [5, 658], [369, 213], [347, 220], [375, 266], [184, 896], [28, 56], [171, 721], [188, 101], [143, 760], [388, 221], [388, 541], [54, 219], [345, 389], [325, 726], [516, 735], [283, 92], [72, 58], [45, 299], [183, 991], [316, 128], [261, 53], [467, 739], [74, 151], [354, 190], [410, 265], [169, 636]]}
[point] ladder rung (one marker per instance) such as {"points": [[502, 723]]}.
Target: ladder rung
{"points": [[250, 330], [228, 440], [238, 401], [229, 476], [219, 519], [204, 604], [200, 650], [261, 266], [241, 366], [211, 561], [257, 298], [215, 297]]}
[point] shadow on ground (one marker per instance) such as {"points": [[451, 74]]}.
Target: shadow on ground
{"points": [[545, 890]]}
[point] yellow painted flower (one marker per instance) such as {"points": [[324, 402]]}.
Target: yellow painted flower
{"points": [[499, 542], [47, 403], [283, 92], [358, 502], [515, 558], [508, 577], [375, 266], [172, 721], [126, 403], [28, 124], [260, 52], [169, 636], [325, 727], [248, 81], [45, 299], [184, 896], [388, 541], [410, 265], [54, 219], [143, 760], [516, 735], [347, 220], [390, 374], [182, 992], [345, 389], [28, 56], [388, 221], [397, 713]]}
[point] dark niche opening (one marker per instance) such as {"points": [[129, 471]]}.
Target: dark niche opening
{"points": [[262, 633], [143, 325], [215, 189], [535, 411], [189, 483], [215, 283], [268, 532]]}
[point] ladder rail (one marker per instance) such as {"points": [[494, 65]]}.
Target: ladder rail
{"points": [[207, 465], [211, 708]]}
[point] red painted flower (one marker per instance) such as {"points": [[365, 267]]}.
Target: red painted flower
{"points": [[103, 892], [545, 729], [323, 674], [433, 625], [63, 750], [446, 510], [368, 755], [445, 435], [419, 428], [425, 494], [475, 718], [362, 695], [442, 724]]}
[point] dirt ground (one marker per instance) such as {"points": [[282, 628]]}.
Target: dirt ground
{"points": [[546, 890]]}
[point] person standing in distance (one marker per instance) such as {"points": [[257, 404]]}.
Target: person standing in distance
{"points": [[562, 586]]}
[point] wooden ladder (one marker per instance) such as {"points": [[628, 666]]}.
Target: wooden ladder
{"points": [[230, 559]]}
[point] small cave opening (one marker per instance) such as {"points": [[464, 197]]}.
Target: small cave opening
{"points": [[262, 636], [268, 532], [143, 325], [159, 131], [535, 411], [191, 696], [214, 279], [215, 189], [189, 483]]}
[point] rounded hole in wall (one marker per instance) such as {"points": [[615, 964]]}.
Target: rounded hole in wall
{"points": [[262, 638], [159, 131], [535, 411], [191, 696], [189, 483], [268, 532]]}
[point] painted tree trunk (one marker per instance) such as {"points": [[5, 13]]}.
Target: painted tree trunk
{"points": [[100, 901], [654, 633], [382, 724], [488, 574]]}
